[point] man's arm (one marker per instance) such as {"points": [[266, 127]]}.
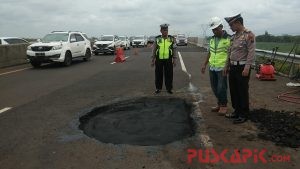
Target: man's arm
{"points": [[153, 57], [251, 49], [205, 63]]}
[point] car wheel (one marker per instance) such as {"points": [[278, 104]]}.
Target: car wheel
{"points": [[87, 55], [96, 53], [68, 59], [35, 64]]}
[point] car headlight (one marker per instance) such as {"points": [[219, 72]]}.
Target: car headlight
{"points": [[110, 45], [29, 48], [56, 47]]}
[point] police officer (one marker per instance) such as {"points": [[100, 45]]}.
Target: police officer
{"points": [[163, 57], [241, 57], [217, 57]]}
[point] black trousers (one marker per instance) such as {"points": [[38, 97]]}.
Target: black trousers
{"points": [[239, 90], [164, 67]]}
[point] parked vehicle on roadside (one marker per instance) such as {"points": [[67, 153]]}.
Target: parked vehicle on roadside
{"points": [[181, 40], [12, 40], [59, 46], [125, 43], [106, 44], [151, 39], [140, 40], [131, 39]]}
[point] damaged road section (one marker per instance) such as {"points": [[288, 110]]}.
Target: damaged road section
{"points": [[283, 128], [143, 121]]}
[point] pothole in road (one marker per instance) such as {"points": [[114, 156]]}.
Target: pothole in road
{"points": [[143, 121]]}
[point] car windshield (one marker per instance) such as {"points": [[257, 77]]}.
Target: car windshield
{"points": [[107, 38], [139, 37], [15, 41], [122, 38], [56, 37], [181, 36]]}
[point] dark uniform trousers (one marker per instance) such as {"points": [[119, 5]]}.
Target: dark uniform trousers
{"points": [[164, 67], [239, 86]]}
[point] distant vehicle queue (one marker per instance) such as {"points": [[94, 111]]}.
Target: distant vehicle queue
{"points": [[65, 46]]}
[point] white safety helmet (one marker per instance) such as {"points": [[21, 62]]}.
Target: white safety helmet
{"points": [[215, 22]]}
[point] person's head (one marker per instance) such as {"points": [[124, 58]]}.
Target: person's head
{"points": [[236, 22], [164, 29], [216, 26]]}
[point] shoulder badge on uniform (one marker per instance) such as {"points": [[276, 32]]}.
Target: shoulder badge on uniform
{"points": [[251, 37]]}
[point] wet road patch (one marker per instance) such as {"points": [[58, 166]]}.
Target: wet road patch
{"points": [[142, 121], [280, 127]]}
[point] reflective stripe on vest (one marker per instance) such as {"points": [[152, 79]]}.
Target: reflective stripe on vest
{"points": [[218, 52], [164, 50]]}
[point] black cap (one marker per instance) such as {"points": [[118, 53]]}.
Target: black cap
{"points": [[232, 18], [164, 26]]}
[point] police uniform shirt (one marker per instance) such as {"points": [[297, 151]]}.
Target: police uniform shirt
{"points": [[242, 47]]}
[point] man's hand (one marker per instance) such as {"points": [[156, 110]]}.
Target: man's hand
{"points": [[153, 62], [225, 71], [174, 62], [203, 69], [246, 71]]}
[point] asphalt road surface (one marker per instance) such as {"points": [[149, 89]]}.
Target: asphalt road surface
{"points": [[40, 111]]}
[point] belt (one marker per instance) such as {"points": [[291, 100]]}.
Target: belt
{"points": [[237, 62]]}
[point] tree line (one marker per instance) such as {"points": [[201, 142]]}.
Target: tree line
{"points": [[280, 39]]}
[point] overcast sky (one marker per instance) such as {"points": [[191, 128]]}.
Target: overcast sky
{"points": [[35, 18]]}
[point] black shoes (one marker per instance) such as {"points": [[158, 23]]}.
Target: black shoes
{"points": [[239, 120], [157, 91], [231, 115]]}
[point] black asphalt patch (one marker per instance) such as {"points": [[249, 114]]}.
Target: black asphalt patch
{"points": [[143, 121], [281, 127]]}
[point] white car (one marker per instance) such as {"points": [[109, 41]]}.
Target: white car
{"points": [[106, 44], [181, 40], [12, 40], [140, 40], [125, 43], [59, 46]]}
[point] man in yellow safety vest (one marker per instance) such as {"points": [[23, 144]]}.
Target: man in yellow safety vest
{"points": [[163, 57], [217, 57]]}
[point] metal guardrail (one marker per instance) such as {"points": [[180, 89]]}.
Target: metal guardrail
{"points": [[279, 55], [266, 53]]}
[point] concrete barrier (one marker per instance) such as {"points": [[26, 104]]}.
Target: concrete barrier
{"points": [[11, 55], [198, 41]]}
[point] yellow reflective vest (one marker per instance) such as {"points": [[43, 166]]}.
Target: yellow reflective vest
{"points": [[218, 51], [164, 47]]}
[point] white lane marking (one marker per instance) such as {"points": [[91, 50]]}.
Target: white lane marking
{"points": [[5, 109], [183, 68], [116, 62], [14, 71], [204, 137]]}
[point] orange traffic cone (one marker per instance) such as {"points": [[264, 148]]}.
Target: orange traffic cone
{"points": [[120, 57]]}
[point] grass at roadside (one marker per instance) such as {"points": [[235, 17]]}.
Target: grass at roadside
{"points": [[282, 47]]}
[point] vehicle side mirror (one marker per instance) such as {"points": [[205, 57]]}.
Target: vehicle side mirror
{"points": [[73, 40]]}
